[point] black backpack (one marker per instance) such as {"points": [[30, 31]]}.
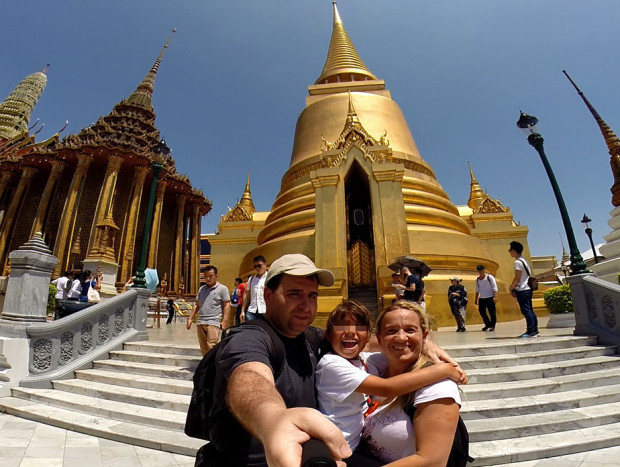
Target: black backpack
{"points": [[459, 454], [198, 422]]}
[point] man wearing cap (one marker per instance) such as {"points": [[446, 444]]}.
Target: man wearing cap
{"points": [[486, 298], [457, 297], [267, 406]]}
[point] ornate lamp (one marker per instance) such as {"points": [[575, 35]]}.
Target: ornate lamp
{"points": [[527, 124], [160, 153], [585, 221]]}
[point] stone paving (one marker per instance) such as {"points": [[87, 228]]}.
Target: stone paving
{"points": [[26, 443]]}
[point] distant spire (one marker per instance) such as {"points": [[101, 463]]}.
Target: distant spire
{"points": [[143, 94], [342, 63], [352, 114], [612, 141], [246, 198], [476, 195], [15, 110]]}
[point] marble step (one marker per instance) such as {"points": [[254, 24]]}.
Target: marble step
{"points": [[150, 416], [489, 429], [143, 397], [548, 445], [540, 403], [531, 358], [543, 370], [149, 369], [152, 383], [161, 348], [184, 361], [125, 432], [475, 392], [501, 346]]}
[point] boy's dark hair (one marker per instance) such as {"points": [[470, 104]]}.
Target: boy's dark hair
{"points": [[348, 309], [259, 258], [67, 273], [238, 279], [211, 268], [516, 246]]}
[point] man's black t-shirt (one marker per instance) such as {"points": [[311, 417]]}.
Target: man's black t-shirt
{"points": [[295, 384], [414, 296]]}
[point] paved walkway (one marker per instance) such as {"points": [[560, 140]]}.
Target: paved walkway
{"points": [[29, 444]]}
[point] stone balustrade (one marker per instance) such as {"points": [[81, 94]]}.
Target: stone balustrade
{"points": [[59, 348], [597, 308]]}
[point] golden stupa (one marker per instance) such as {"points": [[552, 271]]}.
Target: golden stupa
{"points": [[358, 194]]}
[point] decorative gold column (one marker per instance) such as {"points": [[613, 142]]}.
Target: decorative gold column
{"points": [[154, 238], [12, 212], [105, 198], [178, 244], [131, 226], [57, 168], [67, 221], [194, 281]]}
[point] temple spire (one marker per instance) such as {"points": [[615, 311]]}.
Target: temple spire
{"points": [[342, 63], [352, 117], [612, 141], [15, 110], [246, 198], [143, 94], [476, 195]]}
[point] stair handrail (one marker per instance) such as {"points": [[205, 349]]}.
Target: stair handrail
{"points": [[597, 308], [59, 348]]}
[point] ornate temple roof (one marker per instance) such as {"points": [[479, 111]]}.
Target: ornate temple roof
{"points": [[343, 62], [244, 209], [15, 110]]}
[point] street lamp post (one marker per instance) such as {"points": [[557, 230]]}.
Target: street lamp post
{"points": [[160, 152], [527, 124], [585, 221]]}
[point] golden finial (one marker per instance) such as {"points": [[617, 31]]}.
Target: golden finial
{"points": [[342, 63], [612, 141], [77, 247], [476, 195], [246, 198], [351, 113]]}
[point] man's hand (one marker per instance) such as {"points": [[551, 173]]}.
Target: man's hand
{"points": [[494, 299], [291, 428], [189, 323], [242, 317]]}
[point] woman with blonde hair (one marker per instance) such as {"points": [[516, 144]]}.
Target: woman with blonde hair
{"points": [[389, 433]]}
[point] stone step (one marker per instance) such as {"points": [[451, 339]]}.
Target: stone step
{"points": [[143, 397], [489, 429], [519, 406], [531, 358], [543, 370], [152, 383], [150, 416], [150, 369], [548, 445], [474, 392], [502, 346], [174, 441], [183, 361], [161, 348]]}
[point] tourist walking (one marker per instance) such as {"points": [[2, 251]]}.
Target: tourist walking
{"points": [[486, 298], [254, 299], [520, 289], [457, 297]]}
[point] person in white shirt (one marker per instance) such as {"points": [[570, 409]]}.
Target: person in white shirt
{"points": [[521, 290], [486, 298], [253, 306], [63, 284], [76, 288]]}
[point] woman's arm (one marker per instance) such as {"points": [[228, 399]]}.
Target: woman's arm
{"points": [[436, 424], [400, 385]]}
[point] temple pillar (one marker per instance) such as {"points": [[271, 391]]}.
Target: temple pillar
{"points": [[68, 218], [330, 237], [131, 226], [105, 199], [57, 168], [195, 250], [178, 243], [13, 210], [5, 176], [154, 238]]}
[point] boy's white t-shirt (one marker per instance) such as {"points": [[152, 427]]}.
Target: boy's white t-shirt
{"points": [[336, 381]]}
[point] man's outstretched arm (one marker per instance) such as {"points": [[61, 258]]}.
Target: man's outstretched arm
{"points": [[282, 431]]}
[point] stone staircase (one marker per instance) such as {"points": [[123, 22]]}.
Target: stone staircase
{"points": [[527, 399]]}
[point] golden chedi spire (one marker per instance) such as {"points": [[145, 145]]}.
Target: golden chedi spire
{"points": [[342, 63], [612, 141], [246, 198], [476, 195], [15, 110], [143, 95], [244, 209]]}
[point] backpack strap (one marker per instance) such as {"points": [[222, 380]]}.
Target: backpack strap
{"points": [[525, 266]]}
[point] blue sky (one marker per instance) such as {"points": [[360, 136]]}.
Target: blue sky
{"points": [[235, 77]]}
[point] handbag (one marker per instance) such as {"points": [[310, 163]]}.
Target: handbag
{"points": [[93, 295], [532, 282]]}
